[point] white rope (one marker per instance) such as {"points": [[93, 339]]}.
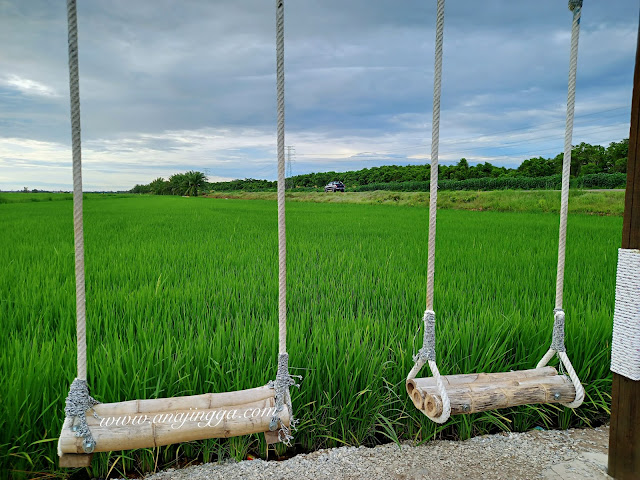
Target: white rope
{"points": [[435, 139], [78, 401], [574, 379], [566, 162], [282, 235], [446, 404], [283, 380], [427, 352], [625, 348], [557, 344], [577, 401], [74, 88]]}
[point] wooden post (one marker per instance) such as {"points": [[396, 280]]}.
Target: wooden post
{"points": [[624, 436]]}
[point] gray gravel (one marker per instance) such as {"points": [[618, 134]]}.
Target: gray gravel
{"points": [[555, 455]]}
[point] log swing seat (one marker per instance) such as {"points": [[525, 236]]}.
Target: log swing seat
{"points": [[441, 396], [91, 426]]}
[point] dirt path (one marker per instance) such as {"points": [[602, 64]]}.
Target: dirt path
{"points": [[547, 455]]}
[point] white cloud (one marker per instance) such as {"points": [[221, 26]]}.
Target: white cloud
{"points": [[167, 89], [27, 86]]}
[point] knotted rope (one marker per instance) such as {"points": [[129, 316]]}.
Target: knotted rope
{"points": [[557, 343], [78, 401], [557, 347], [427, 353], [283, 380], [281, 385]]}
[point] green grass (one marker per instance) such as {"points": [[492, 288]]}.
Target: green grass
{"points": [[533, 201], [182, 299], [20, 197], [28, 197]]}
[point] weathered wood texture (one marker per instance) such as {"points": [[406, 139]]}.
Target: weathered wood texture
{"points": [[631, 217], [468, 378], [71, 460], [271, 437], [483, 392], [153, 423], [204, 401], [624, 436]]}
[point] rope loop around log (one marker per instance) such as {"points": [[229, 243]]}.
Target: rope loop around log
{"points": [[564, 361], [284, 380], [427, 355], [78, 402]]}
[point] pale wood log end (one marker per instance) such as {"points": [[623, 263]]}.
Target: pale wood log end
{"points": [[74, 460]]}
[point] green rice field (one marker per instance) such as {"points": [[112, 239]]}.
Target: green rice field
{"points": [[182, 299]]}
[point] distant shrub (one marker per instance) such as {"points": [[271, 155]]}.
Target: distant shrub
{"points": [[552, 182], [602, 180]]}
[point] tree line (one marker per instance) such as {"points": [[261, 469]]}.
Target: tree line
{"points": [[189, 184], [592, 163]]}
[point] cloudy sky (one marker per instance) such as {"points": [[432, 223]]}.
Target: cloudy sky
{"points": [[169, 86]]}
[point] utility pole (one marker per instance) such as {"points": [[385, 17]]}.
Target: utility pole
{"points": [[290, 151], [624, 436]]}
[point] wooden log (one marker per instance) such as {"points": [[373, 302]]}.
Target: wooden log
{"points": [[480, 398], [152, 429], [271, 437], [421, 395], [205, 401], [451, 381], [468, 378], [71, 460]]}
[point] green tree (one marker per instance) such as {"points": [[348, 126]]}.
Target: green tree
{"points": [[461, 170], [159, 186], [194, 182], [177, 183], [586, 154], [617, 156], [536, 167], [140, 189]]}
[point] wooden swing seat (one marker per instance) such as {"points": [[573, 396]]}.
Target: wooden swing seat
{"points": [[164, 421], [479, 392]]}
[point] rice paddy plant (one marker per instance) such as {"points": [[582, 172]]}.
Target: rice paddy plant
{"points": [[182, 299]]}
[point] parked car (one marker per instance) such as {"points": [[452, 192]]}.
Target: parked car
{"points": [[334, 187]]}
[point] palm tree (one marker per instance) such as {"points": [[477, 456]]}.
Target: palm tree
{"points": [[194, 181], [159, 186], [177, 184]]}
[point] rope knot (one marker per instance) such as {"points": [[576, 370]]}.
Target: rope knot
{"points": [[428, 350], [77, 404], [281, 384], [557, 341]]}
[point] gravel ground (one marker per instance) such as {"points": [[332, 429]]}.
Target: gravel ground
{"points": [[550, 455]]}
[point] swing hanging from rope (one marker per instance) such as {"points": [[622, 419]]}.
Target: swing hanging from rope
{"points": [[441, 396], [264, 409]]}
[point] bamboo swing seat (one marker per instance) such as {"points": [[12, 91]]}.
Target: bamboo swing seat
{"points": [[479, 392], [164, 421]]}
